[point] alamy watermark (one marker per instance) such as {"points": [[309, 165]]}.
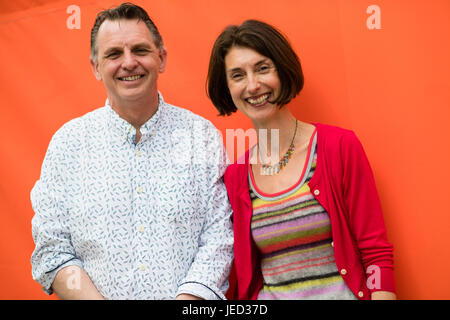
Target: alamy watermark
{"points": [[374, 20], [201, 146], [74, 20]]}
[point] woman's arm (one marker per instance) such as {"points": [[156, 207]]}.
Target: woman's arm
{"points": [[383, 295]]}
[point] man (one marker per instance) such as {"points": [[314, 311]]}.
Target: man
{"points": [[131, 203]]}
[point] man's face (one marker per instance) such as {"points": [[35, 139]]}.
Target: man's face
{"points": [[128, 62]]}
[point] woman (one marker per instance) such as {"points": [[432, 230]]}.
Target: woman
{"points": [[309, 224]]}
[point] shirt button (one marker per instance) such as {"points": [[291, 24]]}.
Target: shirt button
{"points": [[143, 267], [153, 134], [316, 192], [139, 190], [360, 294], [139, 153], [343, 272], [141, 229]]}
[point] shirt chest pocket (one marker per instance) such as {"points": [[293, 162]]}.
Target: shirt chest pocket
{"points": [[176, 199]]}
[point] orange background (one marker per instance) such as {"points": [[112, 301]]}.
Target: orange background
{"points": [[391, 86]]}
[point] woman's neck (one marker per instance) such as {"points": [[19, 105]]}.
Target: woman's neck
{"points": [[275, 135]]}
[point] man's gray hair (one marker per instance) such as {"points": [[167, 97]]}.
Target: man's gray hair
{"points": [[126, 11]]}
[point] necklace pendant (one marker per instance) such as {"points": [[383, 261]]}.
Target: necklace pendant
{"points": [[269, 170]]}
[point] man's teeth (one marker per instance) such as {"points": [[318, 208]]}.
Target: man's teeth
{"points": [[131, 78], [258, 100]]}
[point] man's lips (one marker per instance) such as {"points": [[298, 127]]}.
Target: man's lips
{"points": [[131, 78]]}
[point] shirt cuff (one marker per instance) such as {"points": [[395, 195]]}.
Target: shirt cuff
{"points": [[52, 274], [200, 290]]}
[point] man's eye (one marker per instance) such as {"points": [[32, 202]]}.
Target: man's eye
{"points": [[141, 51], [112, 55]]}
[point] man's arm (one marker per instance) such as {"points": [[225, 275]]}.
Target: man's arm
{"points": [[54, 261], [207, 277], [73, 283]]}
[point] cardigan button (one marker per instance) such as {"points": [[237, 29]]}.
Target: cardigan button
{"points": [[360, 294], [343, 272], [332, 244], [316, 192]]}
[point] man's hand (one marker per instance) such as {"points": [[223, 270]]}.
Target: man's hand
{"points": [[73, 283]]}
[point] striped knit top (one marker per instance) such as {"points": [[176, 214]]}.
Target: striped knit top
{"points": [[293, 234]]}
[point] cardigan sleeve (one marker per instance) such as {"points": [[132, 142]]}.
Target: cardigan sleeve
{"points": [[365, 215]]}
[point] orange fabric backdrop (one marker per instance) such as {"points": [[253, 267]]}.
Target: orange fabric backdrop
{"points": [[390, 85]]}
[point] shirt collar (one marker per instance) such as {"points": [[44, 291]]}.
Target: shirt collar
{"points": [[127, 131]]}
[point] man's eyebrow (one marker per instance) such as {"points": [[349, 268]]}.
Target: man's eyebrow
{"points": [[141, 45], [137, 45], [111, 49]]}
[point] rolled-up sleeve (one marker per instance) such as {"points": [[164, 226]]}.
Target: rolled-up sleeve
{"points": [[50, 230], [365, 213], [209, 272]]}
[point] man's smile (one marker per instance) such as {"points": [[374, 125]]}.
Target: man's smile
{"points": [[131, 78]]}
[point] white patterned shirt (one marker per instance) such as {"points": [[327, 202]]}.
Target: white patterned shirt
{"points": [[146, 220]]}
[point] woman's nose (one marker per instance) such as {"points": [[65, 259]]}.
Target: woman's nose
{"points": [[253, 84]]}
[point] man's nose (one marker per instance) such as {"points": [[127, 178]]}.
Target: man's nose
{"points": [[129, 60]]}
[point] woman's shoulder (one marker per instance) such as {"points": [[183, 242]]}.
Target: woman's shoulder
{"points": [[339, 143], [331, 130], [335, 136]]}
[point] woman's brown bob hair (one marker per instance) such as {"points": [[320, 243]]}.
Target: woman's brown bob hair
{"points": [[267, 41]]}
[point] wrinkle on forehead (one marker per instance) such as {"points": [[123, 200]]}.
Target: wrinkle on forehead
{"points": [[122, 32]]}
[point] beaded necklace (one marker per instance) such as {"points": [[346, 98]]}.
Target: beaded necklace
{"points": [[276, 168]]}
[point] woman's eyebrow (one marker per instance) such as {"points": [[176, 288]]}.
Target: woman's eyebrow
{"points": [[260, 62]]}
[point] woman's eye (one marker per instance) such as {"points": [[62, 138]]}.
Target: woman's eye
{"points": [[236, 76]]}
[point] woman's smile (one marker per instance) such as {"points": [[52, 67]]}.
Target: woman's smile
{"points": [[253, 82]]}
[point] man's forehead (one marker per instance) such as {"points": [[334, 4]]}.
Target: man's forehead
{"points": [[117, 30]]}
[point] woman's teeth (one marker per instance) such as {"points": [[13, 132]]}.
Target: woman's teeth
{"points": [[259, 100]]}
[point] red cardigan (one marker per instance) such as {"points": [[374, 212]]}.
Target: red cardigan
{"points": [[344, 185]]}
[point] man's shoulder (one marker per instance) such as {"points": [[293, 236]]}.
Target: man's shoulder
{"points": [[78, 126], [183, 112], [184, 117]]}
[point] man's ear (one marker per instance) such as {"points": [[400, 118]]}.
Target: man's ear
{"points": [[94, 66], [163, 59]]}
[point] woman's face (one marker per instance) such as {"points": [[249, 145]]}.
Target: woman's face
{"points": [[253, 83]]}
